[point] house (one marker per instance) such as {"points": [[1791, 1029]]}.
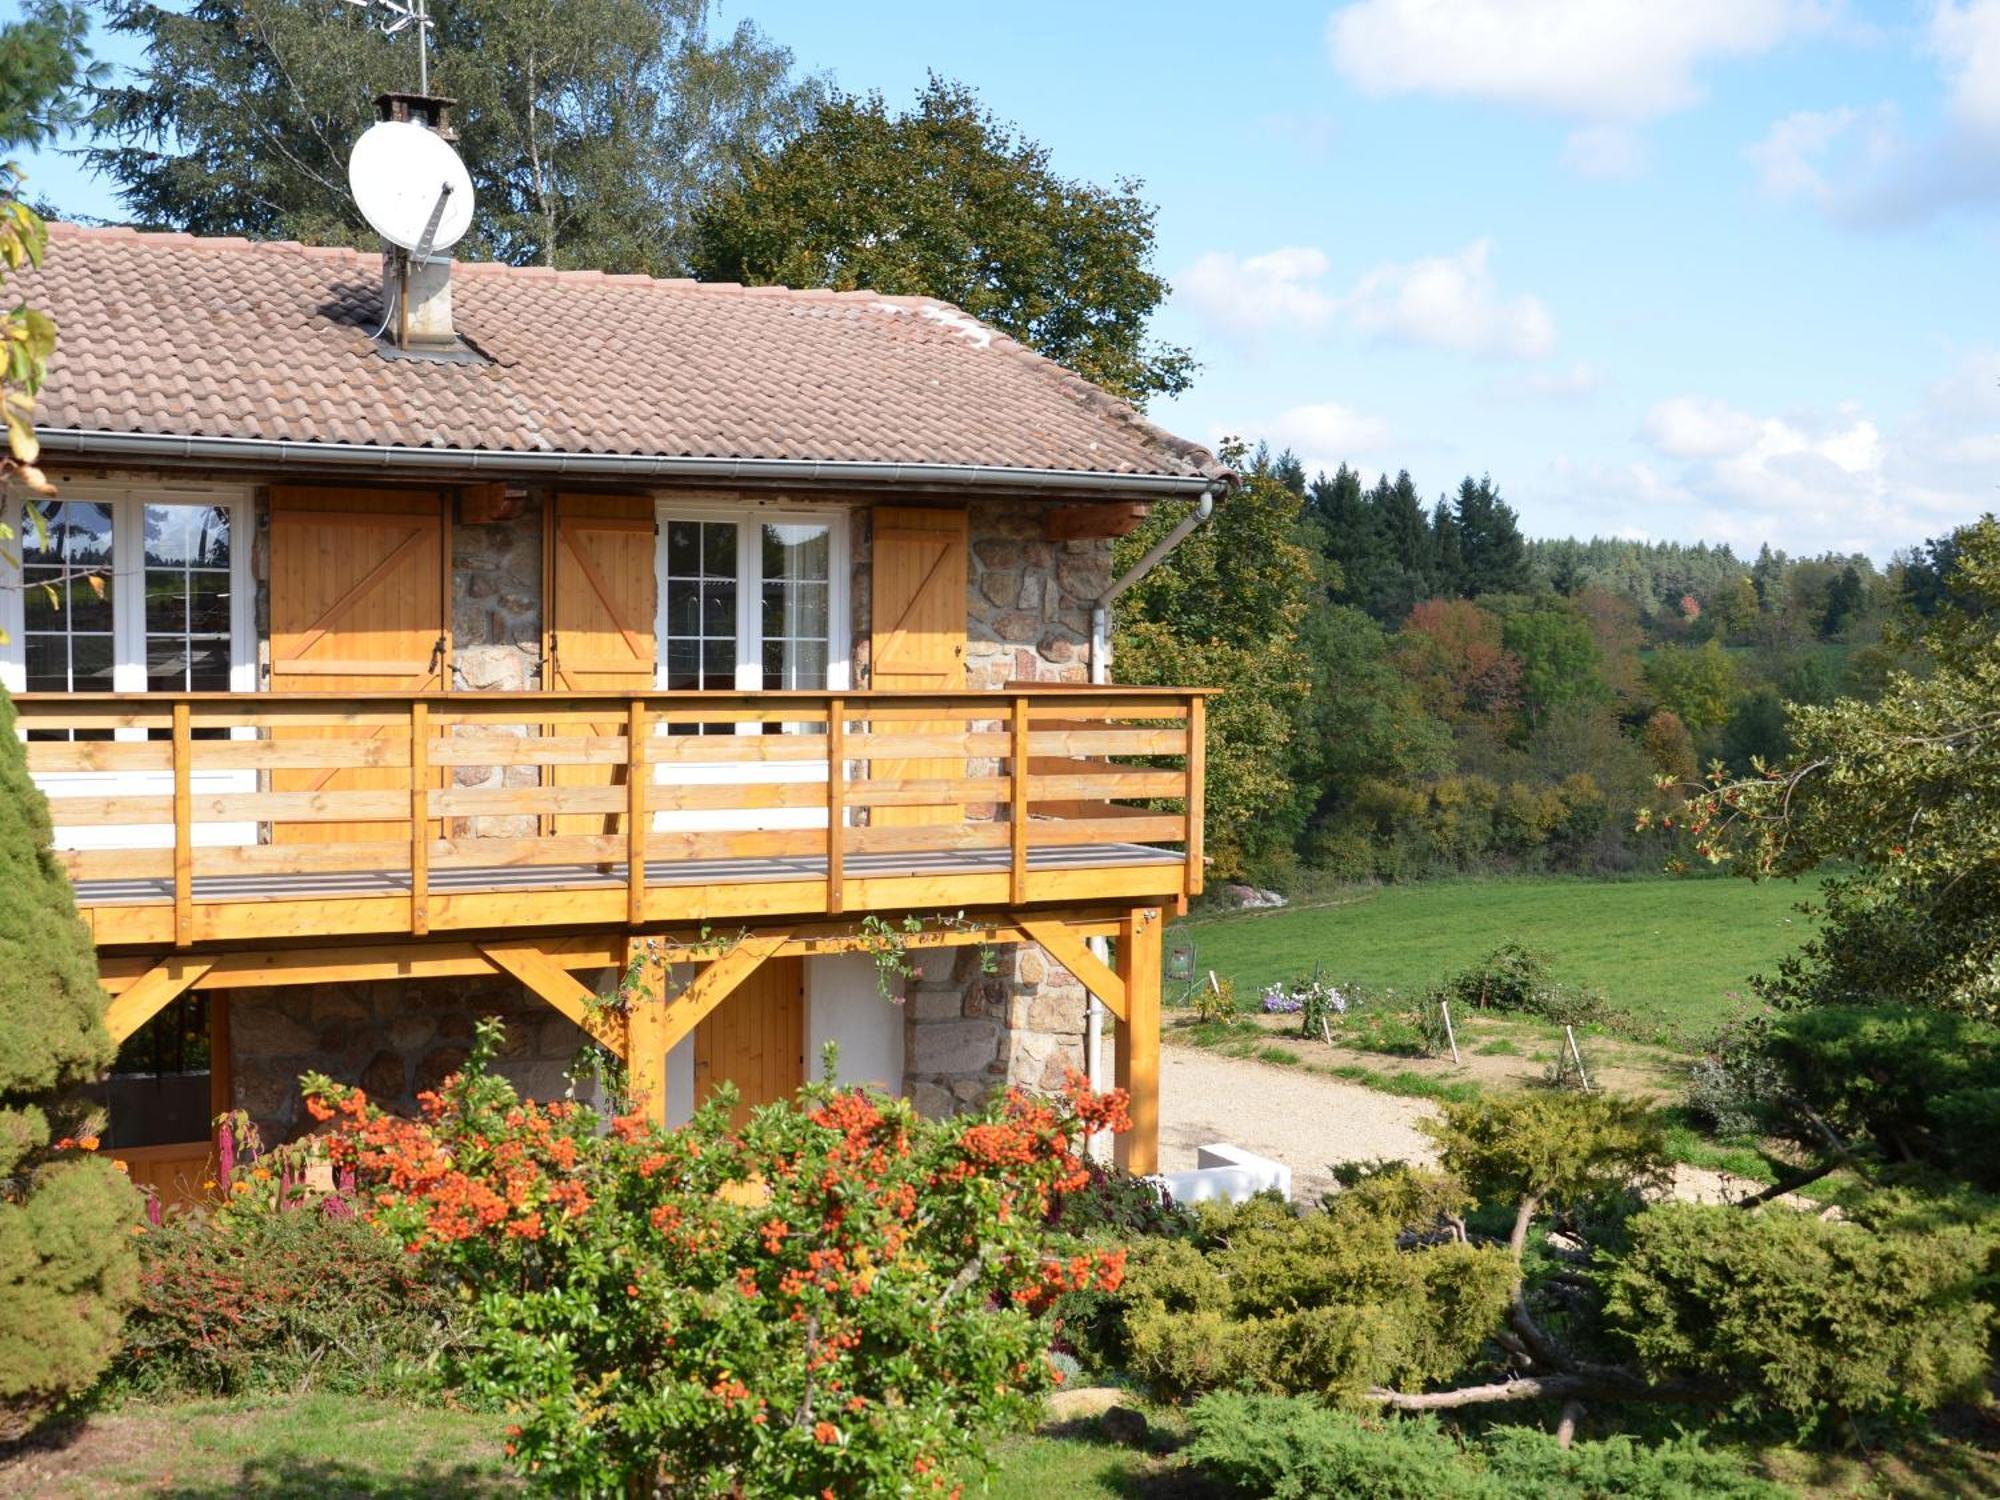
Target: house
{"points": [[737, 641]]}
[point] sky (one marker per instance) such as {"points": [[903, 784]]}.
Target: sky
{"points": [[1714, 270]]}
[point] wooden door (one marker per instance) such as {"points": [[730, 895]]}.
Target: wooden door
{"points": [[917, 643], [755, 1039], [600, 621], [359, 601]]}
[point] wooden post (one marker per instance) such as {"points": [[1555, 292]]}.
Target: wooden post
{"points": [[836, 803], [1138, 1068], [183, 754], [1017, 799], [1197, 790], [221, 1072], [1444, 1007], [645, 1041], [637, 772], [420, 818]]}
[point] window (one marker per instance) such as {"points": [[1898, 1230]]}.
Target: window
{"points": [[752, 600], [129, 592]]}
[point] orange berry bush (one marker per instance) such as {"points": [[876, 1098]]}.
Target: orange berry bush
{"points": [[837, 1297]]}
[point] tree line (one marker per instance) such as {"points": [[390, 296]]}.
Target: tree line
{"points": [[1418, 689]]}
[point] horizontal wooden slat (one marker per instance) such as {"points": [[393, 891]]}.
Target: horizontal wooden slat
{"points": [[100, 755], [354, 856], [100, 812], [746, 796], [1114, 781], [561, 849], [710, 749], [1107, 742], [929, 836], [941, 746], [383, 750], [116, 864], [302, 807], [474, 802], [914, 792], [1050, 833], [518, 750], [772, 844]]}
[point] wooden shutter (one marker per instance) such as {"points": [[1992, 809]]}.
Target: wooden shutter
{"points": [[917, 643], [600, 621], [755, 1039], [358, 601]]}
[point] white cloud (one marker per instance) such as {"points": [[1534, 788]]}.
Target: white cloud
{"points": [[1598, 60], [1860, 166], [1609, 153], [1450, 302], [1326, 430], [1278, 289], [1443, 301], [1843, 478]]}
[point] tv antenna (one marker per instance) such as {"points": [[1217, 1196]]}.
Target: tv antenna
{"points": [[403, 15]]}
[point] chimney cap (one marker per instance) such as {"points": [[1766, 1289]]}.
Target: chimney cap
{"points": [[430, 110]]}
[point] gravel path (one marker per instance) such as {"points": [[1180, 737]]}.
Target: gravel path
{"points": [[1305, 1120], [1309, 1122]]}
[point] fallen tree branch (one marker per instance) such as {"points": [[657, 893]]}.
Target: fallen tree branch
{"points": [[1791, 1184], [1604, 1384]]}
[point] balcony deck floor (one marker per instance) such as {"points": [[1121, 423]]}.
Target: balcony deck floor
{"points": [[681, 872]]}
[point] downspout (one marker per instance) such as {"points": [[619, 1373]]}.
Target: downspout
{"points": [[1100, 674]]}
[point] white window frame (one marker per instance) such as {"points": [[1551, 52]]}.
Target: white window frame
{"points": [[747, 519], [128, 503], [128, 572]]}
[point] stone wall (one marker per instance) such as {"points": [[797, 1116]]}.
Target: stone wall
{"points": [[968, 1032], [1027, 620], [392, 1037]]}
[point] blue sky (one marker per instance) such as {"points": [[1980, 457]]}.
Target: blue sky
{"points": [[1716, 269]]}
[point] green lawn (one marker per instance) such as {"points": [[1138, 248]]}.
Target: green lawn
{"points": [[1671, 951]]}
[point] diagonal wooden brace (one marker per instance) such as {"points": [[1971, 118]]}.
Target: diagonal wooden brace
{"points": [[151, 992], [1069, 950], [530, 964]]}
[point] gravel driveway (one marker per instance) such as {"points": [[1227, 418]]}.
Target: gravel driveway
{"points": [[1305, 1120]]}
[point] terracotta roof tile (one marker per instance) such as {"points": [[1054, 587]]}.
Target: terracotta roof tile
{"points": [[170, 334]]}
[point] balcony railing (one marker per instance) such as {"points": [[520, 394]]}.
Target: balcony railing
{"points": [[188, 818]]}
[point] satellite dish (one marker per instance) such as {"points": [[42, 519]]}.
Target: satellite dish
{"points": [[410, 186]]}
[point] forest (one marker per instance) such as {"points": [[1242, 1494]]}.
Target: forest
{"points": [[1419, 689]]}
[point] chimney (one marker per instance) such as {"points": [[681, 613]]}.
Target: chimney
{"points": [[416, 295]]}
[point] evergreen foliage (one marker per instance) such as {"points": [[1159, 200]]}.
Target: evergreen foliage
{"points": [[1330, 1302], [1813, 1319], [67, 1266], [44, 66]]}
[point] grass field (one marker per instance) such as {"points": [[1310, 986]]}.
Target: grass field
{"points": [[1675, 952]]}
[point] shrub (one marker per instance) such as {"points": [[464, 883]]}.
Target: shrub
{"points": [[67, 1267], [285, 1301], [1516, 980], [836, 1297], [1214, 999], [1258, 1446], [1329, 1302], [1922, 1083], [1528, 1148], [1810, 1318]]}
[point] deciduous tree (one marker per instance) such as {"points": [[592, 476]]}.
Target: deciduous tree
{"points": [[946, 201]]}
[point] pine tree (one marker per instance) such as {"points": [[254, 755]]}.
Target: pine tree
{"points": [[1445, 548], [1495, 556]]}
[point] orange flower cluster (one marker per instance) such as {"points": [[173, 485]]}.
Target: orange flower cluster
{"points": [[1104, 1269]]}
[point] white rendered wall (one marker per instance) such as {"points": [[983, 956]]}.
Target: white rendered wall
{"points": [[845, 1006]]}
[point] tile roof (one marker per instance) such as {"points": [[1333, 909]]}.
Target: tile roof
{"points": [[170, 334]]}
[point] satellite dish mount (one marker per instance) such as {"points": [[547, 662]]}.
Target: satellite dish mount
{"points": [[412, 188]]}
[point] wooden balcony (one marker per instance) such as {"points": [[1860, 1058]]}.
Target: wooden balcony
{"points": [[191, 820]]}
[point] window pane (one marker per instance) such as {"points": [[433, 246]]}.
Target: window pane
{"points": [[48, 664], [42, 598], [718, 610], [208, 603], [86, 532], [719, 664], [166, 602], [718, 547], [166, 664], [33, 549], [683, 548], [797, 551], [683, 609], [683, 666], [194, 536], [90, 663], [90, 602], [208, 666]]}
